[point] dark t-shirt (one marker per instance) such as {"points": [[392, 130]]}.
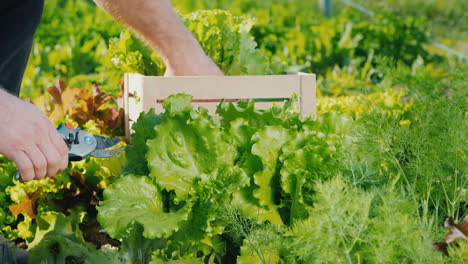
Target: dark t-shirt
{"points": [[18, 23]]}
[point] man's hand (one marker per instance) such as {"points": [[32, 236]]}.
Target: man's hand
{"points": [[158, 24], [202, 66], [28, 138]]}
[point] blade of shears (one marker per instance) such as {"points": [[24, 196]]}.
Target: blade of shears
{"points": [[105, 142], [102, 153]]}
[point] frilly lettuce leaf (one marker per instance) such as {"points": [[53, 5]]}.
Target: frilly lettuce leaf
{"points": [[7, 170], [242, 133], [260, 160], [262, 163], [202, 224], [132, 199], [136, 151], [58, 238], [268, 143], [257, 118], [178, 105], [227, 40], [50, 186], [192, 260], [129, 54], [248, 206], [195, 235], [189, 146], [99, 171], [228, 180], [306, 157]]}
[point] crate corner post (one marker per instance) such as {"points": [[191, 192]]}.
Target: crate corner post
{"points": [[308, 94], [132, 97]]}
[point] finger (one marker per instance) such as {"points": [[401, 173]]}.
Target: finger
{"points": [[38, 160], [25, 166], [52, 157], [61, 148]]}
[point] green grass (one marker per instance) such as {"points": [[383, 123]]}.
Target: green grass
{"points": [[447, 20]]}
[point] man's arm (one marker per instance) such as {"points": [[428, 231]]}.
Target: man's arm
{"points": [[28, 138], [157, 22]]}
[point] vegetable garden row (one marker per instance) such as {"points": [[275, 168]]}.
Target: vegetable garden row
{"points": [[372, 178]]}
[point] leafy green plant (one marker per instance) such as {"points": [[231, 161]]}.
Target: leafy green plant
{"points": [[83, 105], [437, 174], [64, 50], [197, 164], [128, 54], [349, 225], [59, 240], [264, 167], [225, 38]]}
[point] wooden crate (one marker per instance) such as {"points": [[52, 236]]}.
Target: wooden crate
{"points": [[141, 93]]}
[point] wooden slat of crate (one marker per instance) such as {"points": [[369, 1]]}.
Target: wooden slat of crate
{"points": [[145, 92]]}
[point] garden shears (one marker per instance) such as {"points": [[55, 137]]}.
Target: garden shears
{"points": [[82, 144]]}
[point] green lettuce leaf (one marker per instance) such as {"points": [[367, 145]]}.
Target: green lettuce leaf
{"points": [[157, 260], [7, 170], [248, 206], [268, 143], [143, 130], [189, 146], [308, 156], [131, 55], [259, 199], [257, 118], [136, 248], [58, 238], [242, 133], [227, 40], [134, 199]]}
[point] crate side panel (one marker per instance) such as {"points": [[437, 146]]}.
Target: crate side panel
{"points": [[239, 87]]}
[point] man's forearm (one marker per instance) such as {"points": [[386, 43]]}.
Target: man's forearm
{"points": [[157, 22]]}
